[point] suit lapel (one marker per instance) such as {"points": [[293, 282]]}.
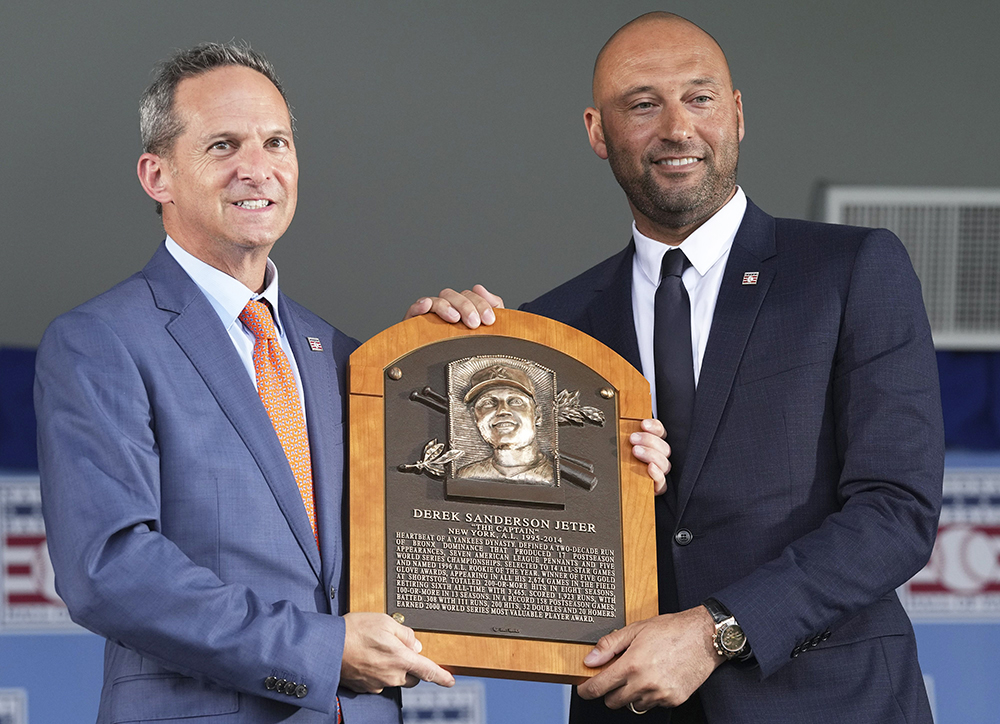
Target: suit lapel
{"points": [[324, 417], [198, 331], [735, 313], [610, 312]]}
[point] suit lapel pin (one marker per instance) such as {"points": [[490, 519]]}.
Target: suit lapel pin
{"points": [[316, 346], [750, 278]]}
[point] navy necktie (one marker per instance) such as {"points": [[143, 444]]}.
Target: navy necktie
{"points": [[674, 366], [673, 360]]}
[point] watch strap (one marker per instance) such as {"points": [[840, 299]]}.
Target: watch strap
{"points": [[719, 612]]}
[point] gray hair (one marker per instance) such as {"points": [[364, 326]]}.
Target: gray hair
{"points": [[158, 122]]}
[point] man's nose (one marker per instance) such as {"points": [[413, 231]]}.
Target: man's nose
{"points": [[254, 166], [676, 123]]}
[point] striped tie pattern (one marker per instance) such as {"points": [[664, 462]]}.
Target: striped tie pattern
{"points": [[277, 390]]}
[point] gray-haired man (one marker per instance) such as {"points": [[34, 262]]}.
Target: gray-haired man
{"points": [[191, 441]]}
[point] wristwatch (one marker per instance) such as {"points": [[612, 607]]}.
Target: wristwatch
{"points": [[729, 639]]}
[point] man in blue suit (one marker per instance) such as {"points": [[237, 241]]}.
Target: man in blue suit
{"points": [[183, 441], [806, 479]]}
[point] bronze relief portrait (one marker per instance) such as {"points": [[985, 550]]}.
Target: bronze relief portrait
{"points": [[502, 418]]}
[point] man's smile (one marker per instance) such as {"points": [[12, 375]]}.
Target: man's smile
{"points": [[252, 203], [685, 161]]}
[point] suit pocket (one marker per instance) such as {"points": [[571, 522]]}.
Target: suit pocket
{"points": [[153, 697]]}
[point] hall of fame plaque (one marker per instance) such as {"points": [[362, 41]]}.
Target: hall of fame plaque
{"points": [[495, 504]]}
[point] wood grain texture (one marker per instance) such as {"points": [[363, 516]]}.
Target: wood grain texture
{"points": [[366, 497], [501, 657]]}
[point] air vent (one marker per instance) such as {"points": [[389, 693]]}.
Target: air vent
{"points": [[953, 238]]}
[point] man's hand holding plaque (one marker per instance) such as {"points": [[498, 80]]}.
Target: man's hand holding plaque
{"points": [[471, 307], [379, 652], [657, 662]]}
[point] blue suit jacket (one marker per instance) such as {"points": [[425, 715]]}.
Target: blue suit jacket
{"points": [[812, 484], [174, 522]]}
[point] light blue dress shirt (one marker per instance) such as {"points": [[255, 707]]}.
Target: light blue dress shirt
{"points": [[228, 297]]}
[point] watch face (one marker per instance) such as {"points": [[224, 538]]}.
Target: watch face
{"points": [[732, 639]]}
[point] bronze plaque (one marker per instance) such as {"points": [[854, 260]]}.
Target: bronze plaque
{"points": [[477, 545], [495, 504]]}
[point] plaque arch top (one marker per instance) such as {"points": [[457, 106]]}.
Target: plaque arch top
{"points": [[372, 359]]}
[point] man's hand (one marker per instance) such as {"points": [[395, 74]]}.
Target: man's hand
{"points": [[650, 447], [473, 307], [378, 652], [665, 660]]}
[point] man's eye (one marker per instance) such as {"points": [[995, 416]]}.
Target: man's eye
{"points": [[221, 146], [702, 99], [277, 143], [643, 106]]}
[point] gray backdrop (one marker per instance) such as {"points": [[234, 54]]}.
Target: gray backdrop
{"points": [[442, 143]]}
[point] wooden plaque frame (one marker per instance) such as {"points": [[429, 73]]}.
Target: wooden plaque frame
{"points": [[474, 654]]}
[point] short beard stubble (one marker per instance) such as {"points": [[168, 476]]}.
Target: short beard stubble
{"points": [[676, 208]]}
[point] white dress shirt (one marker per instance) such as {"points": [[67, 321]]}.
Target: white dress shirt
{"points": [[228, 297], [708, 251]]}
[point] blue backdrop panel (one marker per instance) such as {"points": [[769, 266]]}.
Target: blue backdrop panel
{"points": [[17, 412], [962, 662], [524, 702], [970, 396], [62, 674]]}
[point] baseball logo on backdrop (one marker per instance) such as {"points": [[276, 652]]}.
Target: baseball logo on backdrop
{"points": [[28, 598], [962, 579]]}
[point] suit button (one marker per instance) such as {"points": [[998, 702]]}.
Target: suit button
{"points": [[683, 537], [825, 635], [796, 651], [270, 683], [280, 686], [300, 691], [333, 591], [290, 688]]}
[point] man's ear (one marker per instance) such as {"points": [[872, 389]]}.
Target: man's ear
{"points": [[595, 132], [154, 175], [738, 98]]}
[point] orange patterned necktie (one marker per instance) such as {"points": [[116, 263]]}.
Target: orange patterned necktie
{"points": [[277, 390]]}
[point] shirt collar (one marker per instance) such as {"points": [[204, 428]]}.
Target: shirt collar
{"points": [[227, 295], [704, 247]]}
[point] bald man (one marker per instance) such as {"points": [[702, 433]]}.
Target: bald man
{"points": [[792, 365]]}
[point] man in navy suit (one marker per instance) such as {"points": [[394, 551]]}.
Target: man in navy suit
{"points": [[176, 524], [808, 483]]}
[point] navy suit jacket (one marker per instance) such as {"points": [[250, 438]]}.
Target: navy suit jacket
{"points": [[812, 484], [174, 522]]}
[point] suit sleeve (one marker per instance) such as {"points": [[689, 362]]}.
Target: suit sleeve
{"points": [[119, 576], [889, 437]]}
